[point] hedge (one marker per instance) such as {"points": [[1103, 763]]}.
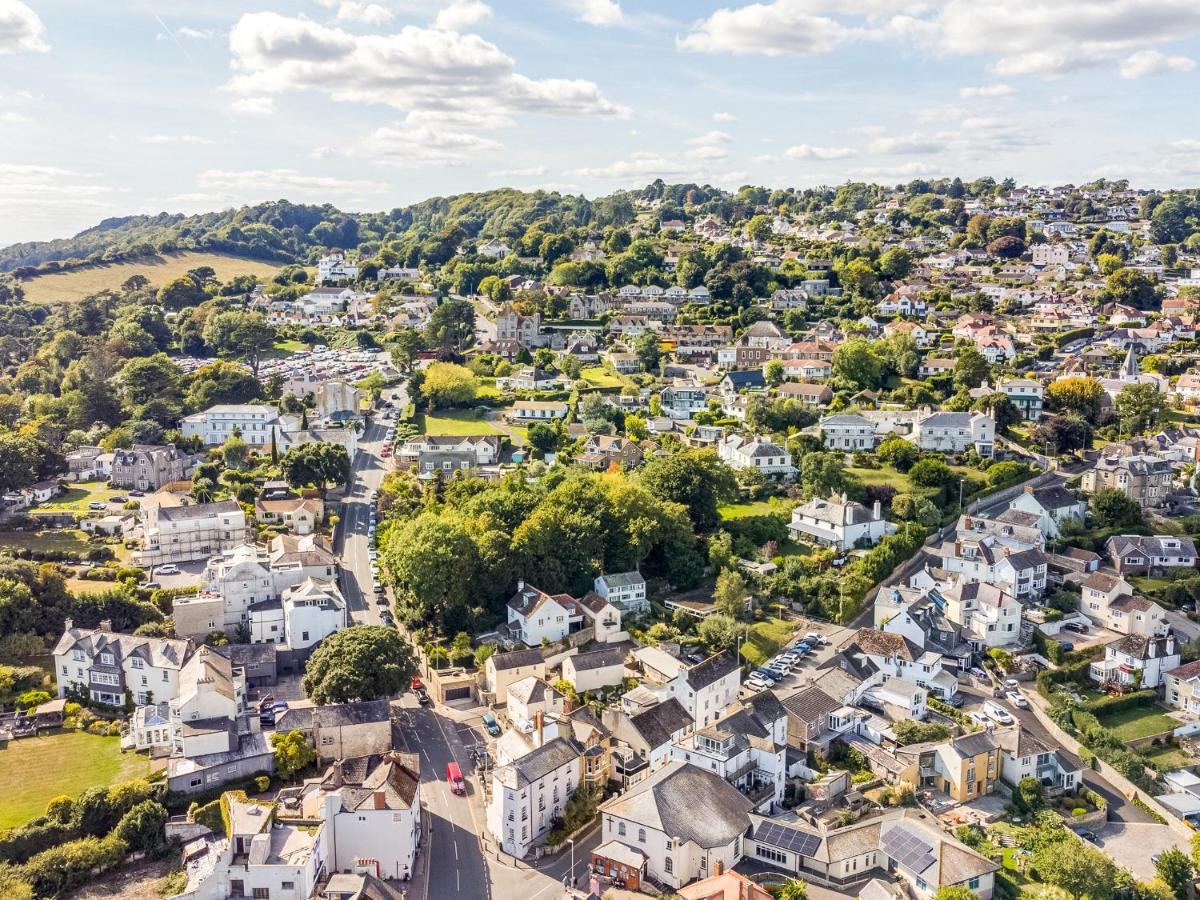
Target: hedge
{"points": [[68, 866], [178, 802], [1121, 702]]}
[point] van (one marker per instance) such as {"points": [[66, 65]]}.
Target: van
{"points": [[997, 713], [454, 779]]}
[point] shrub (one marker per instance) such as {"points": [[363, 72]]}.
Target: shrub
{"points": [[68, 866], [143, 828], [1079, 811], [263, 783], [208, 815]]}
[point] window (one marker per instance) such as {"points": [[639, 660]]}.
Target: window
{"points": [[262, 893], [668, 865], [973, 884], [621, 829], [288, 885], [641, 835], [136, 663]]}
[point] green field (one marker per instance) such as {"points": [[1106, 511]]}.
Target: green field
{"points": [[77, 497], [597, 377], [764, 640], [458, 422], [487, 389], [1168, 757], [1137, 722], [757, 508], [69, 540], [79, 283], [33, 771]]}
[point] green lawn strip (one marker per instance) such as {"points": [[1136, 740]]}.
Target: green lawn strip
{"points": [[456, 422], [764, 639], [757, 508], [1168, 757], [68, 540], [598, 377], [77, 497], [1137, 722], [33, 771]]}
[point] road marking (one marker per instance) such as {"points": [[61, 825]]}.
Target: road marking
{"points": [[456, 849]]}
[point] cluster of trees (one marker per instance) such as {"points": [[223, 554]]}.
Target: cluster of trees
{"points": [[365, 662]]}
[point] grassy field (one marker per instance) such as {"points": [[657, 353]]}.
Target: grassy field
{"points": [[284, 348], [458, 422], [764, 640], [77, 497], [487, 389], [757, 508], [597, 377], [79, 283], [33, 771], [68, 540], [1137, 722], [1168, 757], [889, 476]]}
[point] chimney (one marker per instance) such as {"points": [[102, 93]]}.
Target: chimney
{"points": [[876, 511], [719, 868], [380, 799], [1029, 488], [538, 726], [68, 623], [106, 624], [568, 705], [520, 585]]}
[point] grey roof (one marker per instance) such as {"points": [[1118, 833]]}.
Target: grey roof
{"points": [[974, 744], [598, 659], [810, 704], [623, 579], [539, 763], [711, 670], [516, 659], [1151, 545], [748, 378], [947, 420], [161, 653], [1054, 497], [686, 803], [658, 724], [361, 712], [197, 510], [1027, 559]]}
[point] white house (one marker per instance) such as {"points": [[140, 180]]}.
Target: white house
{"points": [[1025, 394], [534, 615], [178, 533], [624, 590], [956, 432], [105, 664], [767, 457], [1137, 661], [1052, 504], [684, 822], [255, 423], [537, 410], [529, 793], [1109, 600], [849, 433], [334, 267], [1023, 755], [595, 669], [706, 689], [303, 616], [837, 522]]}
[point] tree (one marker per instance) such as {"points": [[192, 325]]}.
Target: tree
{"points": [[910, 731], [1006, 247], [363, 662], [915, 508], [222, 382], [720, 632], [647, 349], [448, 384], [821, 474], [405, 347], [317, 465], [143, 828], [970, 369], [452, 325], [1139, 407], [235, 452], [292, 753], [792, 889], [1075, 867], [542, 437], [149, 378], [1174, 868], [432, 562], [240, 334], [931, 472], [694, 478], [858, 278], [855, 362], [181, 292], [1131, 287], [899, 453], [895, 263], [729, 596], [759, 228], [1111, 508], [1003, 410], [773, 373], [955, 892], [1078, 394]]}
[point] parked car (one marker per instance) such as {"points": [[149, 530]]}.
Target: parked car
{"points": [[980, 718], [492, 726], [803, 647], [955, 700], [1077, 627], [118, 499], [1015, 698], [997, 713], [977, 672], [1011, 684], [150, 586], [168, 569], [137, 493], [814, 639], [97, 504], [1066, 646], [423, 698], [758, 683]]}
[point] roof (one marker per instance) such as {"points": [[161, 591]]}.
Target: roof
{"points": [[810, 704], [1187, 671], [623, 579], [686, 803], [161, 653], [390, 781], [974, 744], [516, 659], [1054, 497], [748, 378], [882, 643], [658, 724], [362, 712], [598, 659], [711, 670], [537, 764], [198, 510]]}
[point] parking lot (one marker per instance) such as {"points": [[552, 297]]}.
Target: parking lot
{"points": [[805, 668]]}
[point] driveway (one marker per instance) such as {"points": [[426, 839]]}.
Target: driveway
{"points": [[1133, 846]]}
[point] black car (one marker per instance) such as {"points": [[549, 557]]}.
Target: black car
{"points": [[955, 700]]}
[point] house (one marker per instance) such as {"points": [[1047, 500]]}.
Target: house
{"points": [[505, 669], [1109, 600], [595, 669], [372, 806], [624, 590], [813, 395], [849, 433], [1183, 688], [1024, 755], [724, 886], [535, 616], [905, 845], [932, 366], [1053, 505], [891, 670], [1025, 394], [706, 689], [528, 794], [1137, 661], [511, 326], [340, 730], [494, 249], [814, 717], [1144, 478], [989, 615], [735, 382], [255, 423], [303, 616], [996, 556], [147, 467], [300, 515], [685, 822], [767, 457], [537, 411], [956, 432], [484, 449], [107, 666], [334, 267], [174, 530], [837, 522], [88, 463], [683, 399], [965, 767], [602, 450], [646, 738], [1137, 554]]}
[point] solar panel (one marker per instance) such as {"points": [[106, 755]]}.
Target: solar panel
{"points": [[908, 849], [777, 835]]}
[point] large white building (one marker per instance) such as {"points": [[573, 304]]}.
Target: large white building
{"points": [[956, 432], [303, 616], [707, 689], [759, 454], [255, 423], [837, 522], [105, 664], [624, 590], [529, 793], [334, 267], [849, 433], [174, 532]]}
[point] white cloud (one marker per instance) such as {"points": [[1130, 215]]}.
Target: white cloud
{"points": [[413, 146], [896, 145], [896, 173], [987, 90], [597, 12], [520, 172], [712, 137], [723, 117], [20, 28], [462, 14], [14, 118], [254, 185], [1154, 62], [415, 68], [366, 13], [176, 139], [195, 34], [774, 29], [708, 152], [807, 151], [49, 201], [974, 137], [639, 165], [253, 106]]}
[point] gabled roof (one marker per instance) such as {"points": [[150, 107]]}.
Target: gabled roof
{"points": [[810, 704], [658, 724], [711, 670]]}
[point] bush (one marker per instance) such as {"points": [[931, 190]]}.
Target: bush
{"points": [[263, 783], [1119, 703], [1079, 811], [208, 815], [71, 865]]}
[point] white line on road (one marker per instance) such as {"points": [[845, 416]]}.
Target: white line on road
{"points": [[456, 849]]}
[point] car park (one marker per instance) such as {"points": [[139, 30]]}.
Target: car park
{"points": [[764, 675]]}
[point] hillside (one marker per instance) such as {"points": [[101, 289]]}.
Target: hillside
{"points": [[54, 287]]}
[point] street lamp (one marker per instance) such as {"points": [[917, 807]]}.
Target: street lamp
{"points": [[571, 841]]}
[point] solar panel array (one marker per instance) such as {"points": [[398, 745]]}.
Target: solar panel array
{"points": [[907, 849], [777, 835]]}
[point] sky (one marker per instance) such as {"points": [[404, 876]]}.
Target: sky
{"points": [[115, 107]]}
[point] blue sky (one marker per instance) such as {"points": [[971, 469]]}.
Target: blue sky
{"points": [[109, 108]]}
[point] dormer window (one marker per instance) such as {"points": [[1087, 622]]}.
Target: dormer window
{"points": [[107, 659], [136, 663]]}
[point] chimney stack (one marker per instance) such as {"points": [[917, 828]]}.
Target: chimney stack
{"points": [[538, 726], [68, 623], [719, 868], [106, 624], [876, 510]]}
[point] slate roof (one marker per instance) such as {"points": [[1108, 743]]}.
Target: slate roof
{"points": [[537, 764], [711, 670], [810, 704], [362, 712], [659, 723], [598, 659], [882, 643], [516, 659]]}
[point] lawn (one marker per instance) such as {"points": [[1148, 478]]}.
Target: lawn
{"points": [[79, 283], [889, 476], [1168, 757], [34, 771], [757, 508], [764, 640], [458, 422], [77, 497], [598, 377], [68, 540], [1137, 722], [285, 348]]}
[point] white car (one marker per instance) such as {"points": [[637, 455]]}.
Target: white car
{"points": [[1011, 684], [1016, 699], [997, 713], [980, 718], [756, 684], [168, 569]]}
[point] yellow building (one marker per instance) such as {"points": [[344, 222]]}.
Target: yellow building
{"points": [[963, 768]]}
